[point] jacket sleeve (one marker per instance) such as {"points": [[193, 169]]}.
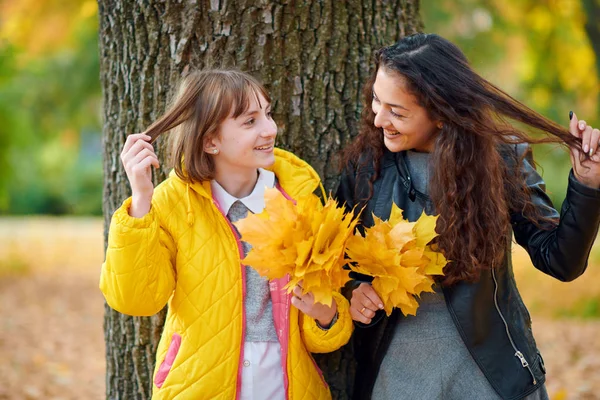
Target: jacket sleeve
{"points": [[318, 340], [561, 250], [138, 276]]}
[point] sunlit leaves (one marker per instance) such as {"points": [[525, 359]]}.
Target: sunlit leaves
{"points": [[306, 241], [399, 256]]}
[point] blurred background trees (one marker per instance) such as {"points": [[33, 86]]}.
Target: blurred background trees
{"points": [[50, 105], [543, 52]]}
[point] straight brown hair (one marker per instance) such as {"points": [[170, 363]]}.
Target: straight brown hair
{"points": [[204, 100]]}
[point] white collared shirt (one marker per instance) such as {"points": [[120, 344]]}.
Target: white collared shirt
{"points": [[255, 201], [262, 375]]}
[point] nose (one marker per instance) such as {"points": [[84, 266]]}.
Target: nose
{"points": [[381, 119], [269, 129]]}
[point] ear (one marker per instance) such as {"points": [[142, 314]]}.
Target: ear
{"points": [[211, 145], [439, 124]]}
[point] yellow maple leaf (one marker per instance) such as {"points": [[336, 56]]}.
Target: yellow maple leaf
{"points": [[396, 254], [306, 240]]}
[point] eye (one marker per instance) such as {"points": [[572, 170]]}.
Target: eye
{"points": [[396, 115], [270, 114], [249, 122], [375, 99]]}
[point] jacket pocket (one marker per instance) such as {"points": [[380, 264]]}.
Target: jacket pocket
{"points": [[541, 361], [165, 366]]}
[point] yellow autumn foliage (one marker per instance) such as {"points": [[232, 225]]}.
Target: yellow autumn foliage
{"points": [[398, 255], [306, 240]]}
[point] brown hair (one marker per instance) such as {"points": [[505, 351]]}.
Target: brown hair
{"points": [[204, 100], [472, 186]]}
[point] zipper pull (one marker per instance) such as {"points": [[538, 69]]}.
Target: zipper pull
{"points": [[521, 357], [525, 364]]}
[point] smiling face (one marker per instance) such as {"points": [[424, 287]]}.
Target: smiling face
{"points": [[405, 124], [246, 142]]}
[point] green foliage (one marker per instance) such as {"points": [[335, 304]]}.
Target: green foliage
{"points": [[587, 308], [50, 161], [537, 51], [50, 151]]}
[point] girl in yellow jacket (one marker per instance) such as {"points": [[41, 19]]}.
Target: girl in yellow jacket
{"points": [[229, 333]]}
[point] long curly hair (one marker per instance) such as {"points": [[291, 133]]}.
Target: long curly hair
{"points": [[472, 186]]}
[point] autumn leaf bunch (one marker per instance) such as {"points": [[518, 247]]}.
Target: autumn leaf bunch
{"points": [[306, 240], [398, 255]]}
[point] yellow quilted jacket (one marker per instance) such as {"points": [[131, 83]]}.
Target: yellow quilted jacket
{"points": [[185, 252]]}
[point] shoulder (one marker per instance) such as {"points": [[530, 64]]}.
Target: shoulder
{"points": [[514, 154]]}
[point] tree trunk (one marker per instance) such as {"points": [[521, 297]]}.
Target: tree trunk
{"points": [[591, 10], [313, 57]]}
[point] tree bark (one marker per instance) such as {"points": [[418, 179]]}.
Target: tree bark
{"points": [[591, 9], [313, 57]]}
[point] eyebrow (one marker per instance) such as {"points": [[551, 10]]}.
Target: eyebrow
{"points": [[250, 112], [391, 105]]}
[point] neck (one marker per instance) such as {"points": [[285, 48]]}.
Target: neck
{"points": [[239, 184]]}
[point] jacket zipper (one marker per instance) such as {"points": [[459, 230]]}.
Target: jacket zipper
{"points": [[243, 272], [518, 354], [409, 186]]}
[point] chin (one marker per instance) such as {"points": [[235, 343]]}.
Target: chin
{"points": [[395, 145], [266, 162]]}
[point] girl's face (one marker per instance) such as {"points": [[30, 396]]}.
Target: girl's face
{"points": [[405, 124], [246, 143]]}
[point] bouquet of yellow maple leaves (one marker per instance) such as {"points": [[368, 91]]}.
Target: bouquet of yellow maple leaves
{"points": [[306, 240], [398, 255]]}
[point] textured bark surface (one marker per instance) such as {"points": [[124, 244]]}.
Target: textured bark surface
{"points": [[313, 57], [592, 28]]}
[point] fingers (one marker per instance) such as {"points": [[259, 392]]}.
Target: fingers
{"points": [[298, 303], [142, 155], [136, 147], [590, 138], [358, 317], [148, 162], [573, 126], [132, 139], [364, 303], [586, 137], [135, 151], [306, 298], [372, 296], [595, 144]]}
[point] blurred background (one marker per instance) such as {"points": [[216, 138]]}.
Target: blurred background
{"points": [[51, 233]]}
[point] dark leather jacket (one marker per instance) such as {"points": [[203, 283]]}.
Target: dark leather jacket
{"points": [[489, 315]]}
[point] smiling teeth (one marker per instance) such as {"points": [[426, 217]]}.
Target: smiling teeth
{"points": [[263, 148]]}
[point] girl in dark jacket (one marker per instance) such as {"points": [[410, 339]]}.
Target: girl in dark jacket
{"points": [[436, 138]]}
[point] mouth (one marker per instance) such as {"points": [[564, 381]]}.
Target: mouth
{"points": [[265, 148], [391, 133]]}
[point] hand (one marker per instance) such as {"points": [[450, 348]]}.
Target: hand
{"points": [[587, 171], [364, 303], [138, 157], [306, 303]]}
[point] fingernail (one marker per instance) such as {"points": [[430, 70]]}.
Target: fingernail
{"points": [[570, 115], [591, 152], [581, 126], [380, 306], [586, 148]]}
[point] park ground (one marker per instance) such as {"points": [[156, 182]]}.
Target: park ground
{"points": [[51, 314]]}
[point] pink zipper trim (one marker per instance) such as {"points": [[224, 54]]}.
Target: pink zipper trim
{"points": [[318, 370], [284, 193], [284, 330], [281, 301], [243, 270], [167, 364]]}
